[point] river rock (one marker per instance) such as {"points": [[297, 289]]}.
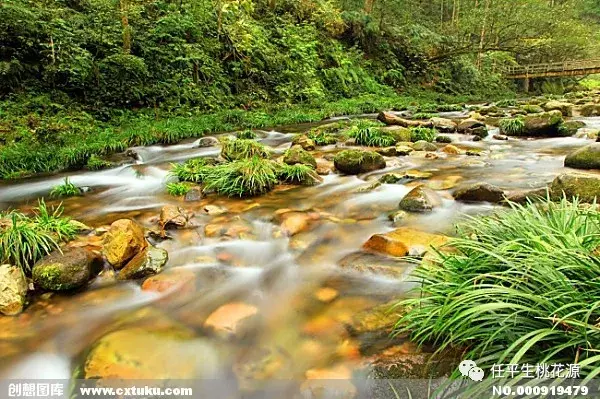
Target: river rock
{"points": [[208, 141], [444, 125], [451, 150], [195, 194], [177, 279], [587, 157], [146, 263], [403, 150], [423, 145], [588, 110], [404, 241], [13, 290], [387, 151], [566, 109], [391, 119], [172, 216], [479, 192], [171, 352], [523, 197], [124, 239], [546, 124], [500, 137], [399, 133], [297, 155], [374, 326], [470, 124], [71, 269], [420, 199], [228, 318], [324, 167], [296, 222], [582, 185], [353, 162], [303, 141], [373, 263]]}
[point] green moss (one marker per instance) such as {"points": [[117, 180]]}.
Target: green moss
{"points": [[357, 161], [297, 155], [97, 163], [443, 139]]}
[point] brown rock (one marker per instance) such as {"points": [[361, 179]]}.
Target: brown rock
{"points": [[480, 192], [13, 290], [420, 199], [227, 318], [404, 241], [451, 150], [391, 119], [374, 263], [172, 216], [180, 280], [296, 222], [123, 241]]}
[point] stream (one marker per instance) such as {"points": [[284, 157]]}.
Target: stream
{"points": [[304, 314]]}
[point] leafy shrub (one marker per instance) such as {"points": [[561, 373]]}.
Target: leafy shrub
{"points": [[422, 133], [24, 240], [519, 286], [246, 134], [242, 178], [178, 189], [514, 126], [67, 189], [237, 149], [192, 170], [298, 174]]}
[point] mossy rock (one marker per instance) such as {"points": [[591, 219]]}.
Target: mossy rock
{"points": [[304, 141], [423, 145], [565, 108], [572, 127], [547, 124], [399, 133], [68, 270], [420, 199], [353, 162], [582, 185], [146, 263], [297, 155], [532, 109], [587, 157], [590, 110]]}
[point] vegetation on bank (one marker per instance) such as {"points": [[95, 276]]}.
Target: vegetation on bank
{"points": [[25, 239], [519, 286]]}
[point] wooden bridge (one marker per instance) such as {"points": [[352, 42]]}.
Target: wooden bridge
{"points": [[566, 68]]}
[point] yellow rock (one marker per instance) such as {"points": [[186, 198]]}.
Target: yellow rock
{"points": [[124, 240], [326, 294], [227, 317], [451, 149], [404, 241]]}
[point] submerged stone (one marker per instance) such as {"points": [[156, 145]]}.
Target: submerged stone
{"points": [[146, 263], [67, 270], [404, 241], [480, 192]]}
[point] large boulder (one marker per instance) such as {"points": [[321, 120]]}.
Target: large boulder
{"points": [[13, 290], [582, 185], [590, 110], [146, 263], [404, 241], [479, 192], [571, 127], [123, 241], [423, 145], [468, 125], [587, 157], [566, 109], [547, 124], [444, 125], [399, 133], [353, 162], [420, 199], [67, 270], [297, 155]]}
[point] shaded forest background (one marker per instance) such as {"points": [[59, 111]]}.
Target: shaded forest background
{"points": [[70, 67]]}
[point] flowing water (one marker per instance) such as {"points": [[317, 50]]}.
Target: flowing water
{"points": [[302, 302]]}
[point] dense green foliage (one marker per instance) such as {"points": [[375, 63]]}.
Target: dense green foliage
{"points": [[178, 189], [85, 78], [367, 133], [520, 286], [423, 133], [25, 239], [242, 178]]}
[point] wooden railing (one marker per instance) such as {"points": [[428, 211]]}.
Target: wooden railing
{"points": [[555, 68]]}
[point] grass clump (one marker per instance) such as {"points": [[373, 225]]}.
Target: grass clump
{"points": [[178, 189], [236, 149], [422, 133], [532, 109], [246, 134], [322, 138], [96, 163], [519, 286], [24, 240], [192, 170], [514, 126], [506, 103], [367, 133], [67, 189], [424, 115], [242, 178], [298, 174]]}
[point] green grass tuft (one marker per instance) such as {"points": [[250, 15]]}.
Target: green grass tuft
{"points": [[514, 126], [242, 178], [246, 134], [96, 163], [67, 189], [368, 133], [192, 170], [236, 149], [298, 174], [178, 189], [422, 133], [24, 239], [520, 286], [322, 138]]}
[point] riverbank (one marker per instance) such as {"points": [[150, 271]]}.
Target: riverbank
{"points": [[44, 139]]}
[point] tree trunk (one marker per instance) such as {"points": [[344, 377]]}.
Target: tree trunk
{"points": [[126, 27], [483, 32]]}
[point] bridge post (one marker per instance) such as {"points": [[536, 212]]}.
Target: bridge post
{"points": [[526, 84]]}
